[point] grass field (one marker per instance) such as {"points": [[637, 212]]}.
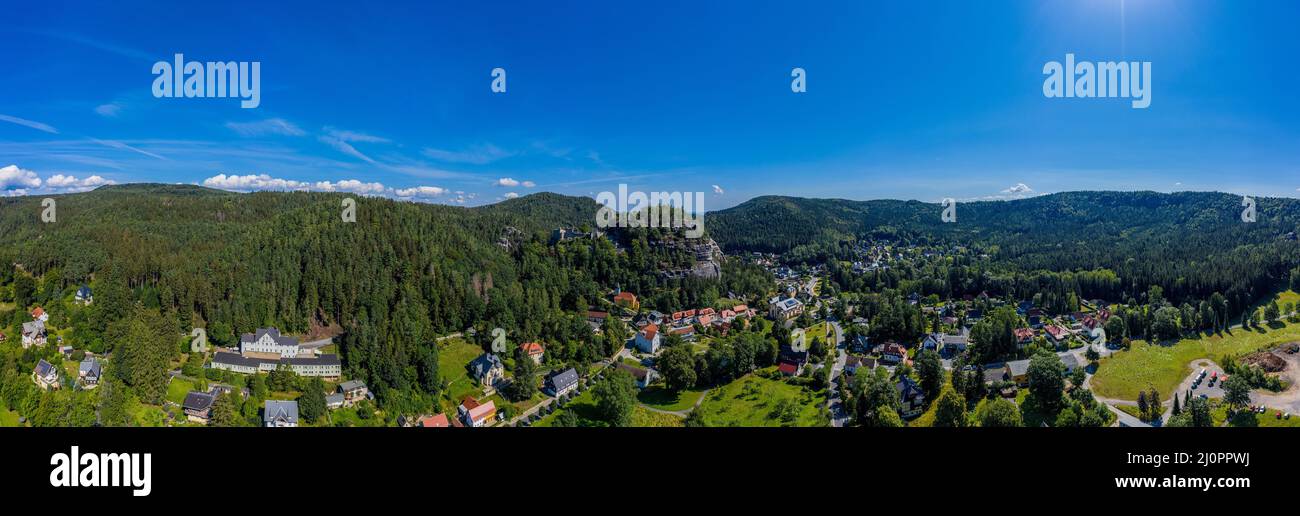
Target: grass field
{"points": [[1126, 373], [584, 406], [8, 418], [753, 401], [643, 417], [177, 389], [453, 356], [664, 399]]}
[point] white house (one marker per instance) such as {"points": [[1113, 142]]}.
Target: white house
{"points": [[269, 340], [647, 340], [33, 334], [84, 296]]}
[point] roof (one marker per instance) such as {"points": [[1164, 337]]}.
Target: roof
{"points": [[485, 362], [44, 368], [532, 348], [994, 374], [1018, 367], [625, 296], [480, 412], [1055, 331], [1023, 333], [788, 367], [280, 410], [198, 401], [649, 331], [38, 312], [84, 291], [563, 379], [89, 365], [1070, 360], [908, 389], [273, 332], [352, 385], [636, 372], [33, 327], [435, 421], [334, 399]]}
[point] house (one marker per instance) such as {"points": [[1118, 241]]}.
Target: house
{"points": [[627, 300], [33, 334], [860, 344], [913, 400], [647, 340], [39, 314], [995, 374], [334, 401], [88, 373], [941, 342], [687, 333], [280, 413], [83, 296], [788, 354], [596, 316], [1024, 336], [1071, 362], [487, 369], [788, 368], [855, 362], [1056, 334], [46, 375], [533, 350], [643, 376], [198, 406], [784, 309], [353, 391], [434, 421], [892, 352], [561, 383], [268, 340], [1017, 371], [473, 413], [325, 366]]}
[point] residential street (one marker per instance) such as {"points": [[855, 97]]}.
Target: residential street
{"points": [[833, 401]]}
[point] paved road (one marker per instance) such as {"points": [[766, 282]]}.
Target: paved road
{"points": [[833, 401], [317, 343]]}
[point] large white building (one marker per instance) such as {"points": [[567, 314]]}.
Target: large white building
{"points": [[268, 340]]}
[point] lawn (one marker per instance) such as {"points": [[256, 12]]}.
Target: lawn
{"points": [[453, 356], [643, 417], [8, 418], [665, 399], [753, 401], [1124, 374], [177, 389], [584, 406]]}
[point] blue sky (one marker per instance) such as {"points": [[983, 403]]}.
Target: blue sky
{"points": [[911, 100]]}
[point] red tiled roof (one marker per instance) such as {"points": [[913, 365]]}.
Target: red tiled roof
{"points": [[1024, 333], [532, 348], [435, 421], [650, 330], [788, 367]]}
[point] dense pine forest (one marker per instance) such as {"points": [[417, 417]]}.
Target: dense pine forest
{"points": [[181, 257]]}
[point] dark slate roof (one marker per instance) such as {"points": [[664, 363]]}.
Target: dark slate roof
{"points": [[84, 291], [44, 368], [91, 366], [280, 409], [326, 359], [564, 379], [485, 362], [352, 385], [225, 357], [334, 399], [198, 401], [275, 334], [908, 389]]}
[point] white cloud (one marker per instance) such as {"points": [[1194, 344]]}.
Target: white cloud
{"points": [[345, 147], [421, 192], [1019, 188], [28, 123], [277, 126], [717, 189], [511, 195], [475, 155], [350, 185], [111, 109], [528, 184], [14, 178], [507, 182], [353, 136], [67, 183], [253, 182]]}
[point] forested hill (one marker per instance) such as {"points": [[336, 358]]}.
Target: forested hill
{"points": [[1191, 243], [781, 224]]}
